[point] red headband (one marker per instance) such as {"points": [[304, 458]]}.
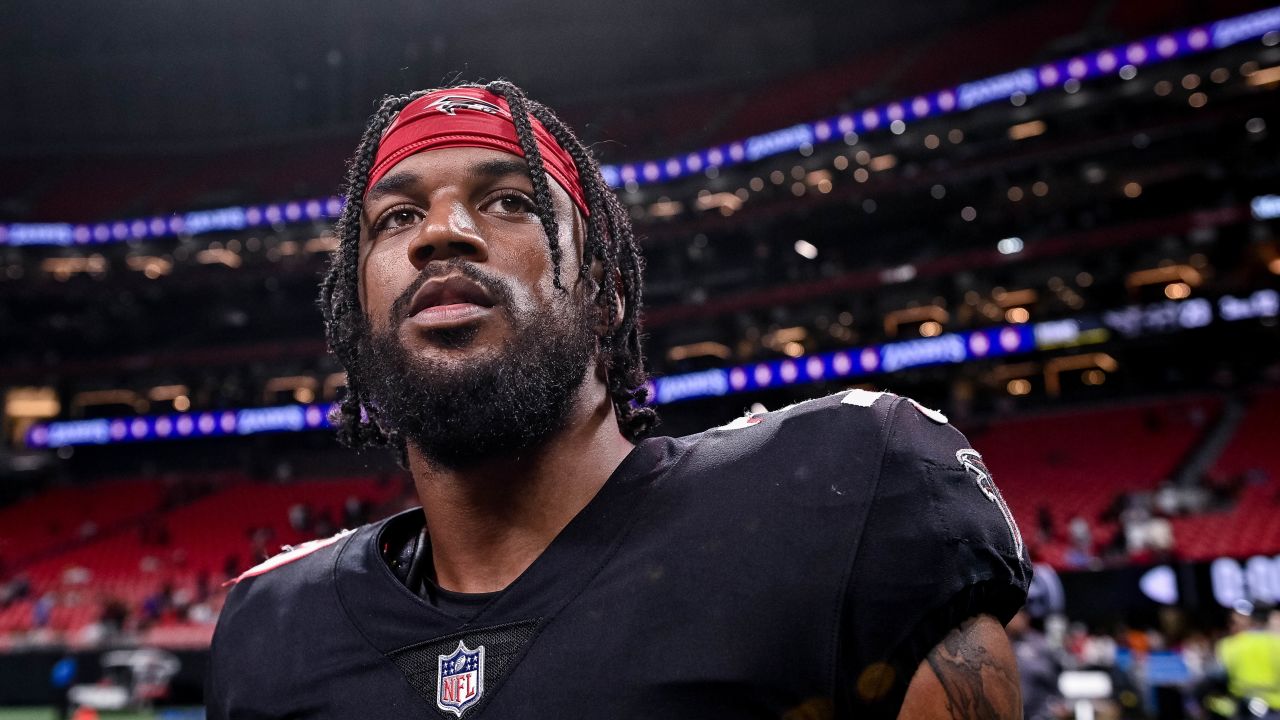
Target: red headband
{"points": [[469, 117]]}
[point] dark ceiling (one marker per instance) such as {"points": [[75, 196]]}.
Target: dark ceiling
{"points": [[92, 76]]}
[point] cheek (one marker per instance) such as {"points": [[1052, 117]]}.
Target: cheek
{"points": [[527, 274], [381, 282]]}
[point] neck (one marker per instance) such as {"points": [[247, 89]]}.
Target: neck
{"points": [[489, 522]]}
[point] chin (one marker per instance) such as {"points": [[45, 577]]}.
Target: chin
{"points": [[470, 337], [453, 338]]}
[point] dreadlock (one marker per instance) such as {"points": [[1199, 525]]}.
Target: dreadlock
{"points": [[609, 242]]}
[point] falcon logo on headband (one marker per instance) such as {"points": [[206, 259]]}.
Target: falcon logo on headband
{"points": [[450, 104]]}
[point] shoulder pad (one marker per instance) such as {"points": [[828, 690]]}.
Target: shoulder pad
{"points": [[857, 398], [287, 555]]}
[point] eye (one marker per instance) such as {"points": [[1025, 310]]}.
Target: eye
{"points": [[396, 218], [510, 203]]}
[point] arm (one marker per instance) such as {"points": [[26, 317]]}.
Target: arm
{"points": [[970, 675]]}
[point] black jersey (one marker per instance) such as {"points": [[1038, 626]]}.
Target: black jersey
{"points": [[800, 560]]}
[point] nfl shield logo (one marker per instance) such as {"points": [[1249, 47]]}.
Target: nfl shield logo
{"points": [[461, 679]]}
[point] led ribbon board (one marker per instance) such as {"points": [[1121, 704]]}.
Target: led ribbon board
{"points": [[1023, 81], [947, 349], [192, 223], [178, 426]]}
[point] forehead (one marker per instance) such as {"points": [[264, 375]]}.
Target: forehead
{"points": [[458, 166], [452, 164]]}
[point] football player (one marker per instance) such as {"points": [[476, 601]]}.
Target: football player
{"points": [[844, 557]]}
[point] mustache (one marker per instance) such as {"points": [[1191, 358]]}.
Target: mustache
{"points": [[498, 288]]}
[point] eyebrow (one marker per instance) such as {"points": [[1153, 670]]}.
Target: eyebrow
{"points": [[499, 167], [394, 182]]}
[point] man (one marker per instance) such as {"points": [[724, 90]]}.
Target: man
{"points": [[1251, 658], [1038, 668], [845, 557]]}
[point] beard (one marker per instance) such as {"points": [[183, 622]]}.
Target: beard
{"points": [[500, 404]]}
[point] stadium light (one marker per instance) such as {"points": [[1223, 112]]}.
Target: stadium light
{"points": [[1262, 78], [1028, 129], [1010, 246], [1265, 207]]}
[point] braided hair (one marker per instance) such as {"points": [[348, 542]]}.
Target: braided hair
{"points": [[609, 242]]}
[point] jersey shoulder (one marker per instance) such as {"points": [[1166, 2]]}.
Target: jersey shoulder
{"points": [[852, 425], [289, 555], [821, 453], [290, 586], [920, 476], [285, 608]]}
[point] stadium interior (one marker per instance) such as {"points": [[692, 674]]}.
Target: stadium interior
{"points": [[1078, 263]]}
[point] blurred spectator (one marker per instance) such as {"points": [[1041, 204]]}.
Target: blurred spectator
{"points": [[231, 566], [19, 588], [1038, 669], [157, 603], [1166, 499], [1159, 536], [1081, 534], [324, 526], [1251, 658], [42, 611], [300, 516], [1197, 654], [204, 587], [355, 512], [1098, 651], [1080, 551], [259, 543], [1044, 523]]}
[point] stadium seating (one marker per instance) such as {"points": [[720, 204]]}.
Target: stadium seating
{"points": [[1252, 525], [63, 515], [1253, 447], [1077, 463], [185, 548]]}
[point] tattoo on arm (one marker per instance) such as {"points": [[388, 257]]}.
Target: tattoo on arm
{"points": [[980, 682]]}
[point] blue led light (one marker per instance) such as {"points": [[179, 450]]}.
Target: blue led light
{"points": [[39, 234], [1244, 27], [173, 426]]}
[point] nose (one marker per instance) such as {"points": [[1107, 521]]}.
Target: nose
{"points": [[447, 231]]}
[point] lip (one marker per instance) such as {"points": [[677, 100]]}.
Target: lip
{"points": [[440, 317], [449, 290]]}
